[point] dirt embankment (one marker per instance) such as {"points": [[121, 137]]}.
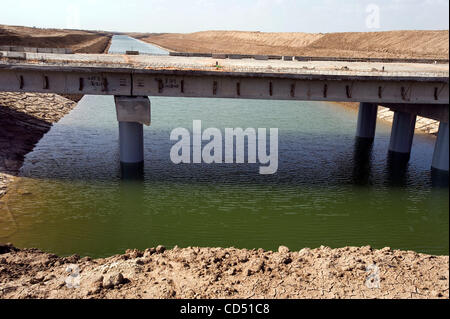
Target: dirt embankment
{"points": [[26, 117], [390, 44], [349, 272], [77, 40]]}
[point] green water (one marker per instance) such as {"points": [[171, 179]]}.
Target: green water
{"points": [[326, 191]]}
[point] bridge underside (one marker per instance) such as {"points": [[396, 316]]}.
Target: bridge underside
{"points": [[408, 90]]}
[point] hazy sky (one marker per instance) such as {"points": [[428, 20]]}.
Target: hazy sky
{"points": [[252, 15]]}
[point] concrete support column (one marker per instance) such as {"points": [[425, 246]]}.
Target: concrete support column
{"points": [[367, 120], [402, 134], [131, 142], [441, 149], [132, 113]]}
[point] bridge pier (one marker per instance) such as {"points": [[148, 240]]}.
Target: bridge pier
{"points": [[131, 142], [402, 135], [132, 113], [367, 120], [441, 149]]}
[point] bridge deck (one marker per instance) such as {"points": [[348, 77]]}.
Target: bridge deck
{"points": [[239, 78]]}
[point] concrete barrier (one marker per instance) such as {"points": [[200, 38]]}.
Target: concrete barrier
{"points": [[16, 49], [381, 60], [59, 50], [44, 50], [16, 55], [261, 57], [35, 50], [202, 55], [31, 50], [219, 55], [178, 54]]}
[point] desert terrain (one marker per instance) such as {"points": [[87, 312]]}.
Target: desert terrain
{"points": [[390, 44], [77, 40], [193, 272]]}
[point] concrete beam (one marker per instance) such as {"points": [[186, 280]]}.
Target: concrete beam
{"points": [[305, 88], [200, 77], [438, 112], [441, 149], [367, 120], [133, 109]]}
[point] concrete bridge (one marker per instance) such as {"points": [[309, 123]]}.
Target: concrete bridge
{"points": [[409, 89]]}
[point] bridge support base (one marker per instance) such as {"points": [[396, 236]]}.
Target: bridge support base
{"points": [[132, 113], [367, 120], [402, 135], [441, 149]]}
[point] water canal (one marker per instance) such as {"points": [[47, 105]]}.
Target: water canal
{"points": [[327, 190]]}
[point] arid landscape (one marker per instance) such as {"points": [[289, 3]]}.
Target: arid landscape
{"points": [[391, 44]]}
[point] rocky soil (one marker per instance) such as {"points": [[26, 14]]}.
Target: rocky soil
{"points": [[349, 272]]}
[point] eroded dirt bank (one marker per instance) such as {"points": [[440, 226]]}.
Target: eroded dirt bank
{"points": [[77, 40], [226, 273], [24, 119]]}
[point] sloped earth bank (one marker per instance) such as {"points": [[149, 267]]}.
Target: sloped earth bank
{"points": [[349, 272], [24, 119], [388, 44], [77, 40]]}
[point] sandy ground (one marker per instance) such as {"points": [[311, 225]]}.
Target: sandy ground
{"points": [[77, 40], [349, 272], [390, 44]]}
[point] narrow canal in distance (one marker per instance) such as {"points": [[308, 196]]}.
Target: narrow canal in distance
{"points": [[327, 191]]}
